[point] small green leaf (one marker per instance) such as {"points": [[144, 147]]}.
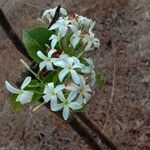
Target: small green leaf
{"points": [[49, 77], [16, 105], [36, 97], [52, 77], [35, 39], [100, 82]]}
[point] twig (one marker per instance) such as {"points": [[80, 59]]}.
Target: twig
{"points": [[113, 89]]}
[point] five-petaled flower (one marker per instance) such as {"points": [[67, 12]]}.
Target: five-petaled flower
{"points": [[63, 24], [51, 92], [24, 96], [82, 89], [66, 104], [49, 13], [90, 41], [69, 66], [47, 61]]}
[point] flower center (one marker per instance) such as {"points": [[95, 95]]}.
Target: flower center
{"points": [[66, 102], [52, 93], [69, 67]]}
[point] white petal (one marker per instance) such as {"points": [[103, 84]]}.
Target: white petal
{"points": [[11, 89], [53, 43], [74, 41], [46, 98], [51, 86], [41, 55], [76, 60], [25, 97], [86, 69], [42, 65], [26, 82], [61, 64], [49, 66], [96, 43], [53, 98], [53, 11], [61, 96], [62, 74], [77, 66], [75, 105], [59, 88], [63, 31], [54, 26], [53, 37], [64, 57], [73, 28], [51, 52], [75, 76], [80, 99], [87, 96], [66, 113], [70, 61], [53, 103], [72, 95], [47, 90], [54, 60], [63, 11], [56, 107], [88, 46]]}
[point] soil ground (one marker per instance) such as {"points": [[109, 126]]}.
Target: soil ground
{"points": [[121, 110]]}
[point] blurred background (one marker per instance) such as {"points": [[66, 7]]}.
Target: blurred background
{"points": [[121, 109]]}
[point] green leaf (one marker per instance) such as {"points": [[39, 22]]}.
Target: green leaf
{"points": [[15, 105], [49, 77], [100, 82], [52, 77], [36, 97], [35, 39]]}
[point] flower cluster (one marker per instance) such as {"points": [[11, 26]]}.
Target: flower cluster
{"points": [[65, 77]]}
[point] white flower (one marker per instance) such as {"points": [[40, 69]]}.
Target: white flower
{"points": [[51, 92], [54, 39], [90, 69], [66, 104], [83, 90], [49, 13], [24, 96], [63, 24], [47, 61], [75, 38], [90, 41], [69, 66], [84, 21]]}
